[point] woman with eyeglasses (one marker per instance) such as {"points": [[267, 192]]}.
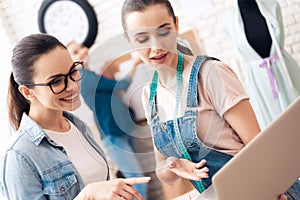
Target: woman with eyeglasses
{"points": [[53, 154]]}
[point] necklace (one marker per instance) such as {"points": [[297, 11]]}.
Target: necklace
{"points": [[183, 150]]}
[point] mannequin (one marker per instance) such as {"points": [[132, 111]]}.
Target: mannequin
{"points": [[256, 29], [272, 80]]}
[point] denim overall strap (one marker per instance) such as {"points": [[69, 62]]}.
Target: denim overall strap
{"points": [[192, 100], [177, 132], [192, 90], [215, 159]]}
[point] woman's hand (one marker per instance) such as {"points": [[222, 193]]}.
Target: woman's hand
{"points": [[113, 189], [187, 169]]}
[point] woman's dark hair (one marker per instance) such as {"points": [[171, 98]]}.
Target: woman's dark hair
{"points": [[130, 6], [26, 52]]}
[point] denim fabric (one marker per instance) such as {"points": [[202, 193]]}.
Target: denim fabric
{"points": [[294, 192], [35, 167], [164, 133]]}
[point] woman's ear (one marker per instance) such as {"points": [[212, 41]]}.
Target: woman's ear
{"points": [[177, 24], [26, 92]]}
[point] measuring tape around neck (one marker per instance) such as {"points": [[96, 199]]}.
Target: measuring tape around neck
{"points": [[183, 150]]}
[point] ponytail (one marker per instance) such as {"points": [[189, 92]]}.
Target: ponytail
{"points": [[17, 104], [184, 50]]}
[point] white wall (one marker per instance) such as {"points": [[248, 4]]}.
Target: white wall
{"points": [[4, 75], [19, 18]]}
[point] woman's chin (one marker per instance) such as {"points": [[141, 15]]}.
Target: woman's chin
{"points": [[74, 106]]}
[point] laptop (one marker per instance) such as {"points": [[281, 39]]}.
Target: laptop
{"points": [[266, 167]]}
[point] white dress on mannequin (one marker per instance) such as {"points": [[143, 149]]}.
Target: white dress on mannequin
{"points": [[270, 91]]}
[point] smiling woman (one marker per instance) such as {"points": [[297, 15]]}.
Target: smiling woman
{"points": [[53, 149]]}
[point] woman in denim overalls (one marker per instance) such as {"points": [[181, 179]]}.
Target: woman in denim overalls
{"points": [[164, 132], [183, 138]]}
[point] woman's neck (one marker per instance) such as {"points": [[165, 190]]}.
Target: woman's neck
{"points": [[167, 76], [49, 119], [247, 4]]}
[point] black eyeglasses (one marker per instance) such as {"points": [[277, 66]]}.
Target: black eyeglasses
{"points": [[60, 82]]}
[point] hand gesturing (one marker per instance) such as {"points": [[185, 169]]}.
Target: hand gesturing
{"points": [[187, 169]]}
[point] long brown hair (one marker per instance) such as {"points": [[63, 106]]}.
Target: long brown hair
{"points": [[26, 52]]}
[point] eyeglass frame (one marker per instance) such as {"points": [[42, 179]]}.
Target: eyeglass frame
{"points": [[66, 76]]}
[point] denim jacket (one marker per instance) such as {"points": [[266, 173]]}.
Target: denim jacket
{"points": [[35, 167]]}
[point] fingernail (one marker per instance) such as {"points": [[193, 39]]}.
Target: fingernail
{"points": [[206, 176]]}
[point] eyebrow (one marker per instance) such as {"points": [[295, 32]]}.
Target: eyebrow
{"points": [[161, 26], [57, 75], [54, 76]]}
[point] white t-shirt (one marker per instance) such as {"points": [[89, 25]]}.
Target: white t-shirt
{"points": [[89, 163]]}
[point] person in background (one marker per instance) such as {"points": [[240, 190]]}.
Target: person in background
{"points": [[198, 111], [143, 139], [53, 154], [115, 120]]}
